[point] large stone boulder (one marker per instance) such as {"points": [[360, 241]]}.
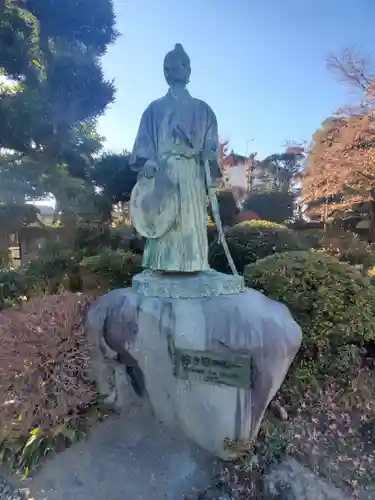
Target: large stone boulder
{"points": [[292, 481], [209, 353], [126, 457]]}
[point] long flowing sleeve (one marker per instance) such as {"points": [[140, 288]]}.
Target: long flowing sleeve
{"points": [[145, 142], [211, 143]]}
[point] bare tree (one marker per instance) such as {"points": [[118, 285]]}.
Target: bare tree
{"points": [[340, 168], [357, 71]]}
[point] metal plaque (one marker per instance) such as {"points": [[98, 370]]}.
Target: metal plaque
{"points": [[228, 369]]}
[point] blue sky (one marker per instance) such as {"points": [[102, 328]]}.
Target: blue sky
{"points": [[260, 64]]}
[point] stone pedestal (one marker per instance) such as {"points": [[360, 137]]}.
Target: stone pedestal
{"points": [[212, 352]]}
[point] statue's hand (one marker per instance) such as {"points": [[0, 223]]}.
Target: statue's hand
{"points": [[149, 169]]}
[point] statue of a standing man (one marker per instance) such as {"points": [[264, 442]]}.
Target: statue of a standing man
{"points": [[178, 134]]}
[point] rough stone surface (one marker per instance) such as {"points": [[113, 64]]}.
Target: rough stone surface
{"points": [[132, 456], [205, 284], [292, 481], [9, 492], [145, 329]]}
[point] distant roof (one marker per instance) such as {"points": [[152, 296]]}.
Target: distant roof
{"points": [[234, 159]]}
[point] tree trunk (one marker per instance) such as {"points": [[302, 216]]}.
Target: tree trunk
{"points": [[372, 221]]}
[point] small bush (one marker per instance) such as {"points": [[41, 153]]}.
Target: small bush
{"points": [[127, 239], [14, 284], [43, 377], [246, 216], [253, 240], [273, 205], [228, 208], [347, 247], [262, 224], [5, 258], [370, 273], [121, 236], [54, 268], [211, 230], [109, 269], [333, 303]]}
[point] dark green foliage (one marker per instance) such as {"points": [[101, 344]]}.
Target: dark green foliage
{"points": [[344, 245], [113, 174], [284, 166], [228, 207], [13, 285], [50, 52], [55, 267], [277, 206], [84, 226], [13, 216], [332, 302], [109, 269], [212, 234], [253, 240], [79, 21], [19, 47], [347, 247], [52, 48]]}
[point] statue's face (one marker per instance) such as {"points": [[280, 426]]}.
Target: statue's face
{"points": [[177, 68]]}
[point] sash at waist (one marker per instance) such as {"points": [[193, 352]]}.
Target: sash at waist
{"points": [[199, 155]]}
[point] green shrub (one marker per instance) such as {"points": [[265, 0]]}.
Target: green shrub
{"points": [[228, 208], [211, 230], [276, 205], [14, 284], [333, 303], [125, 237], [370, 273], [262, 224], [253, 240], [5, 258], [109, 269], [91, 236], [346, 246], [58, 269], [54, 268]]}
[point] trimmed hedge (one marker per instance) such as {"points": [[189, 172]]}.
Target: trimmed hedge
{"points": [[64, 271], [253, 240], [347, 247], [108, 270], [332, 302]]}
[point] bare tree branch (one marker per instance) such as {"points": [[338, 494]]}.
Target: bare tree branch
{"points": [[352, 68]]}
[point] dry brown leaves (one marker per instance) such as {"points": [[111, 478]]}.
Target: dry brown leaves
{"points": [[331, 433], [342, 159], [43, 364]]}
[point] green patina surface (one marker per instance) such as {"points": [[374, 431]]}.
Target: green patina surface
{"points": [[233, 370], [209, 283]]}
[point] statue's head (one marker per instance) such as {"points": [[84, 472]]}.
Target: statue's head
{"points": [[177, 66]]}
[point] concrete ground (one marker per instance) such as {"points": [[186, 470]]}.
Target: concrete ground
{"points": [[128, 457]]}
